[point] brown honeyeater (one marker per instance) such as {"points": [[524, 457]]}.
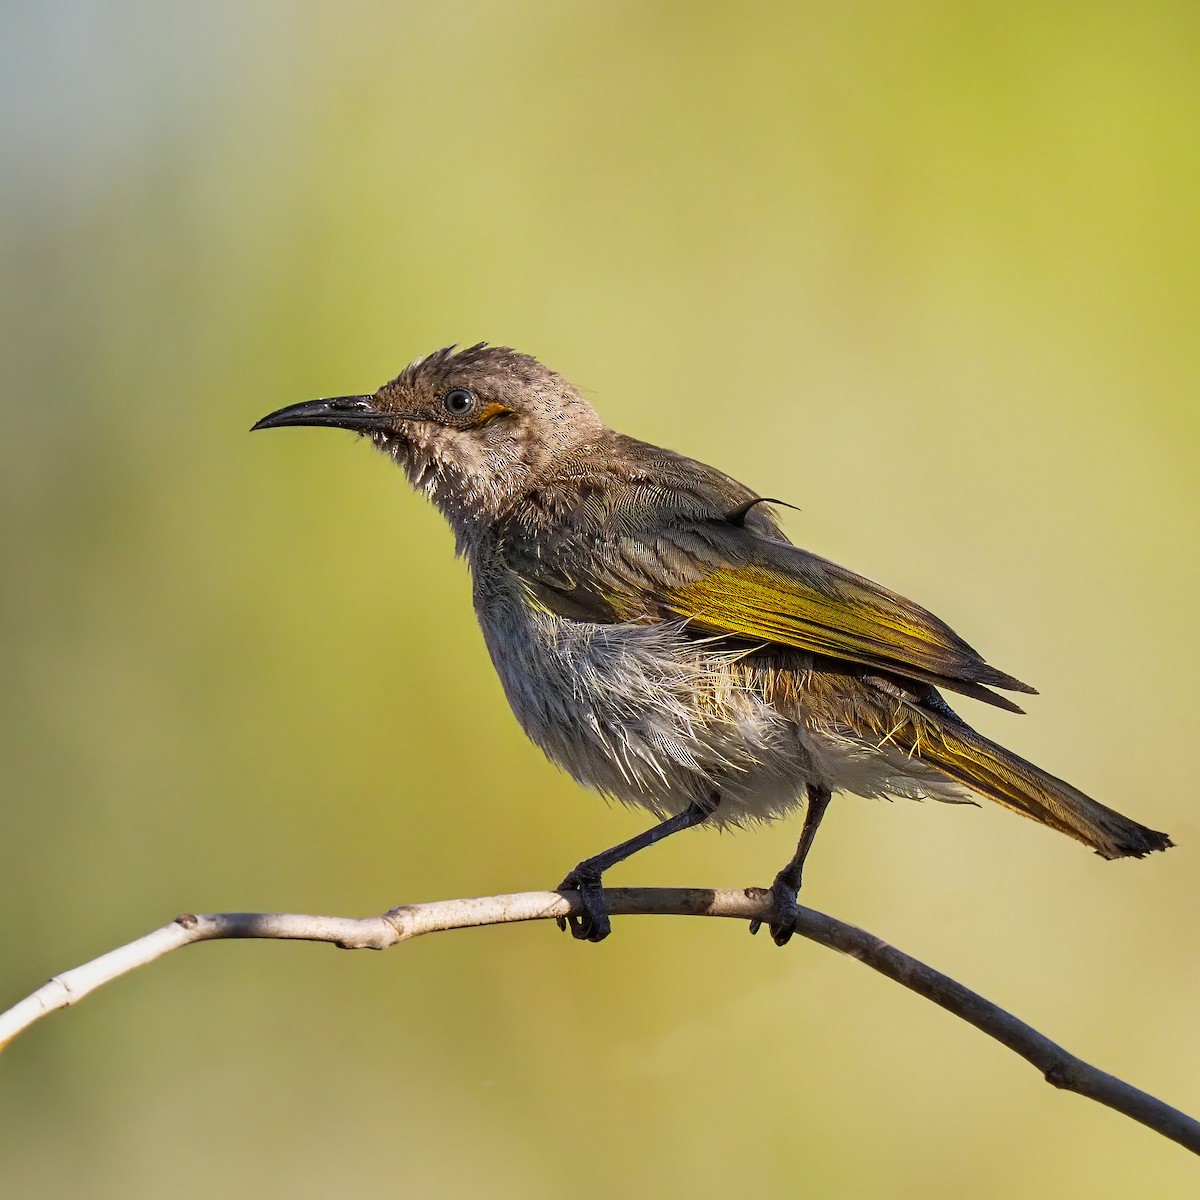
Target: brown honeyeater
{"points": [[661, 639]]}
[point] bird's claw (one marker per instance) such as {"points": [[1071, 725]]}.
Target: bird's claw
{"points": [[784, 911], [591, 925]]}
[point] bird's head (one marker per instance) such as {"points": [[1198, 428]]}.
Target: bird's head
{"points": [[474, 429]]}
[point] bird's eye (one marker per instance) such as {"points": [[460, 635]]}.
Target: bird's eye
{"points": [[458, 402]]}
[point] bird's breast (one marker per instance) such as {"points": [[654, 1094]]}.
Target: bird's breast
{"points": [[640, 711]]}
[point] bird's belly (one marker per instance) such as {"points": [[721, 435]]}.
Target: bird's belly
{"points": [[644, 714]]}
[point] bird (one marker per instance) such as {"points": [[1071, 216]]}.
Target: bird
{"points": [[659, 637]]}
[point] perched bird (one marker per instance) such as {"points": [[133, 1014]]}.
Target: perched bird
{"points": [[660, 638]]}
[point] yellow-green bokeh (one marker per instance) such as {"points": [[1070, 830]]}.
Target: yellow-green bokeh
{"points": [[929, 271]]}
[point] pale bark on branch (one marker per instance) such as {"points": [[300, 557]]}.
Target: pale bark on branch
{"points": [[1060, 1068]]}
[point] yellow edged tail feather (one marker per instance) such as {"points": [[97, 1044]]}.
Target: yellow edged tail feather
{"points": [[971, 759]]}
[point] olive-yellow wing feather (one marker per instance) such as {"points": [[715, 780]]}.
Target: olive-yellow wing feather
{"points": [[785, 595]]}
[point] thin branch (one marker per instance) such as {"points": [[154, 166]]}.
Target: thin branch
{"points": [[1059, 1067]]}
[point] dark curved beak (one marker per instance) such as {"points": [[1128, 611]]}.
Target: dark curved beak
{"points": [[357, 413]]}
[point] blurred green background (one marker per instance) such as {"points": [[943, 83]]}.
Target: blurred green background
{"points": [[926, 270]]}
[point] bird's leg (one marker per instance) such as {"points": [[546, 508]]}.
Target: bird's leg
{"points": [[787, 882], [593, 925]]}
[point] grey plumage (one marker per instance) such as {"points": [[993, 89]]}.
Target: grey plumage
{"points": [[659, 637]]}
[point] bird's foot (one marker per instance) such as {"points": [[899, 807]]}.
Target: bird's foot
{"points": [[784, 911], [591, 925]]}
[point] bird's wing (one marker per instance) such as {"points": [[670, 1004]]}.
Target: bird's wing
{"points": [[721, 575], [782, 594]]}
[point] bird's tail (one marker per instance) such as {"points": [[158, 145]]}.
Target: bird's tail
{"points": [[970, 759]]}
